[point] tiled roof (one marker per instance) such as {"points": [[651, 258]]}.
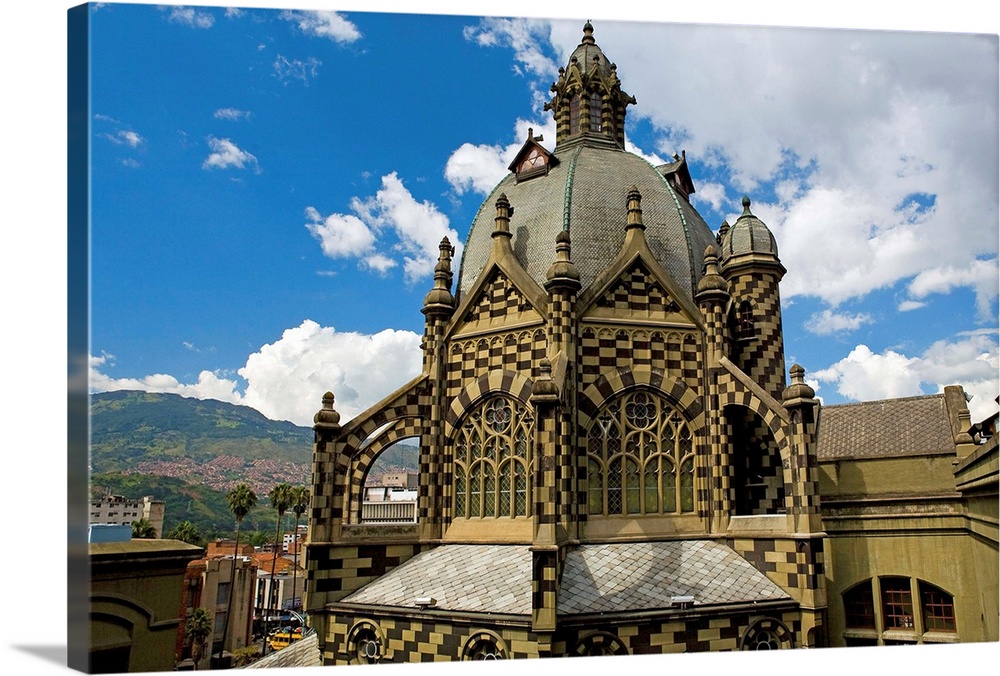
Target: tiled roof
{"points": [[302, 653], [596, 578], [887, 428], [474, 578], [645, 575]]}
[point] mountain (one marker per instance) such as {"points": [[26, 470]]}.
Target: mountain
{"points": [[129, 428], [190, 452]]}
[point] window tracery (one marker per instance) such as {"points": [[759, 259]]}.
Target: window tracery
{"points": [[640, 458], [492, 458]]}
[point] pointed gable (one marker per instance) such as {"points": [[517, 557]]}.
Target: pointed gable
{"points": [[532, 159], [637, 290]]}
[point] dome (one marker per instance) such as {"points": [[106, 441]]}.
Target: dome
{"points": [[585, 193], [749, 236]]}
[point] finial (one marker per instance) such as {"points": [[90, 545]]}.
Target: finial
{"points": [[562, 272], [746, 207], [326, 416], [544, 389], [711, 280], [588, 33], [502, 220], [634, 218], [439, 299], [799, 390]]}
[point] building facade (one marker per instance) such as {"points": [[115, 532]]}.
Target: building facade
{"points": [[612, 460], [120, 511]]}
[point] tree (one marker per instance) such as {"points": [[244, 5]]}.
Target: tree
{"points": [[300, 502], [143, 529], [241, 499], [187, 532], [197, 628], [281, 499]]}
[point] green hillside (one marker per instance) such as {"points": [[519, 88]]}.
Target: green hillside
{"points": [[130, 427]]}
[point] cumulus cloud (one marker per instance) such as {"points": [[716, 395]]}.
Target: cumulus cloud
{"points": [[384, 228], [231, 114], [478, 168], [324, 24], [910, 305], [209, 385], [882, 151], [972, 362], [190, 17], [226, 154], [286, 379], [829, 322]]}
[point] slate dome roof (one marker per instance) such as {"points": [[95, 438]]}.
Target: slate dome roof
{"points": [[585, 193], [748, 235]]}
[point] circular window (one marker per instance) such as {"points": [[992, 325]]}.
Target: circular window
{"points": [[599, 643], [484, 646], [365, 644], [766, 634]]}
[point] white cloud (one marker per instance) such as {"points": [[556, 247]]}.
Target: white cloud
{"points": [[383, 228], [523, 36], [972, 362], [478, 168], [208, 386], [296, 69], [287, 379], [881, 147], [234, 12], [828, 322], [125, 137], [226, 154], [980, 275], [231, 114], [191, 17], [324, 24], [340, 235], [909, 305]]}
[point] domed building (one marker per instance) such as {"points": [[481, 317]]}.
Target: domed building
{"points": [[611, 460]]}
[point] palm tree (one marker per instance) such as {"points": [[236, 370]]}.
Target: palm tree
{"points": [[281, 499], [143, 529], [241, 500], [300, 502], [187, 532], [198, 627]]}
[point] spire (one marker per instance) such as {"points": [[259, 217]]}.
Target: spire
{"points": [[562, 272], [439, 299], [634, 217], [711, 283], [501, 228], [589, 104]]}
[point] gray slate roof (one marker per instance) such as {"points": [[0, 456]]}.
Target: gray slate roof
{"points": [[617, 577], [586, 193], [887, 428], [302, 653]]}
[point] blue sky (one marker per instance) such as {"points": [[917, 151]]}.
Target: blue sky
{"points": [[269, 187]]}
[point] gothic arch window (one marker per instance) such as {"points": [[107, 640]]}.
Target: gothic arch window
{"points": [[492, 459], [574, 114], [595, 111], [640, 458], [897, 609], [535, 161]]}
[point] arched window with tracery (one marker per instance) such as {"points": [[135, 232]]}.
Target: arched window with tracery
{"points": [[745, 329], [492, 459], [640, 458], [594, 111], [574, 114]]}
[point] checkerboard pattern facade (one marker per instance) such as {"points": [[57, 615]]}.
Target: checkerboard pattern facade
{"points": [[637, 293], [499, 298], [762, 357]]}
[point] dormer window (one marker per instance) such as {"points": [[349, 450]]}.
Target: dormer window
{"points": [[534, 160]]}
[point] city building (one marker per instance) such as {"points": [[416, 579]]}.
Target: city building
{"points": [[134, 589], [118, 510], [224, 586], [612, 457]]}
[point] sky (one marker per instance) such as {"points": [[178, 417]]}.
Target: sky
{"points": [[714, 105], [270, 186]]}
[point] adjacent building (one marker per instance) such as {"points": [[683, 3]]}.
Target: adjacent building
{"points": [[613, 458], [118, 510]]}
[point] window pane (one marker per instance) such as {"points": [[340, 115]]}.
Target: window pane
{"points": [[938, 608], [687, 485], [595, 488], [859, 606], [615, 487], [897, 605], [459, 491], [632, 487]]}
